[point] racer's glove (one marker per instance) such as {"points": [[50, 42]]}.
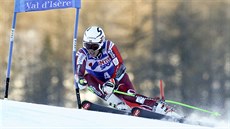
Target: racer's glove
{"points": [[81, 83], [109, 86]]}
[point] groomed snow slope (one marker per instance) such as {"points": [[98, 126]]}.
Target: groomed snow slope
{"points": [[20, 115]]}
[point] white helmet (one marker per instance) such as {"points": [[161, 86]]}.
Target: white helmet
{"points": [[93, 38]]}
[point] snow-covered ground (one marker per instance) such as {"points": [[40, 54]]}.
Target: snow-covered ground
{"points": [[21, 115]]}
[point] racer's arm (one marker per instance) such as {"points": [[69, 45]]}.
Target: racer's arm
{"points": [[80, 69], [117, 60], [119, 70]]}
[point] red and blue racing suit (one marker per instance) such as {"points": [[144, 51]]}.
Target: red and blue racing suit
{"points": [[108, 64]]}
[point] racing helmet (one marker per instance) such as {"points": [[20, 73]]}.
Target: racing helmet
{"points": [[93, 38]]}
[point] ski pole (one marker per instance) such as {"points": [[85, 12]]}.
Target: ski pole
{"points": [[115, 91], [193, 107], [124, 93], [177, 103]]}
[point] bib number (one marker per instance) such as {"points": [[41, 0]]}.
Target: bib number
{"points": [[106, 75]]}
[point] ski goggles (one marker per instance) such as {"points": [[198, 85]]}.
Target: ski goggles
{"points": [[93, 46]]}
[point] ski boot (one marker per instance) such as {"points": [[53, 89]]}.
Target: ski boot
{"points": [[162, 108], [117, 103]]}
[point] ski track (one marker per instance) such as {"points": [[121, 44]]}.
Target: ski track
{"points": [[21, 115]]}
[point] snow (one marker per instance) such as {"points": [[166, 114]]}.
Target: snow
{"points": [[21, 115]]}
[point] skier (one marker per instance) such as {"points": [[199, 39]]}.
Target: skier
{"points": [[106, 72]]}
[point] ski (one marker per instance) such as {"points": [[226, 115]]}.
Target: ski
{"points": [[152, 115], [96, 107], [138, 112], [134, 112]]}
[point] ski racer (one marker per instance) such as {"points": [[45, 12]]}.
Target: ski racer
{"points": [[100, 66]]}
